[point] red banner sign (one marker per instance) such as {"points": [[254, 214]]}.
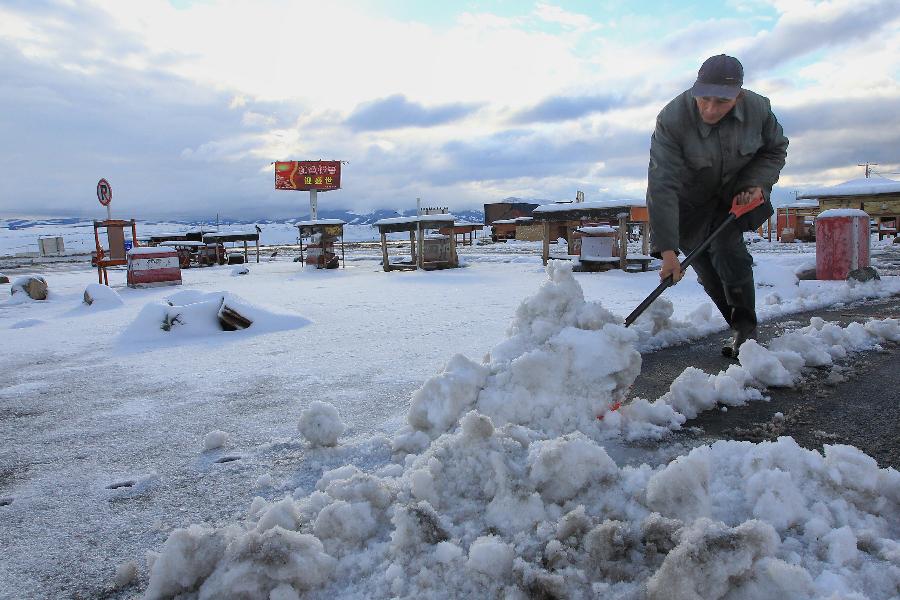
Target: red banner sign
{"points": [[303, 175]]}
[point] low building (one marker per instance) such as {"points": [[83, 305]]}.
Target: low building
{"points": [[879, 197], [506, 210]]}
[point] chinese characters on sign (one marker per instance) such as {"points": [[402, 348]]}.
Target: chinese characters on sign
{"points": [[304, 175]]}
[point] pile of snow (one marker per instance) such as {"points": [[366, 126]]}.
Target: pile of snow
{"points": [[193, 314], [565, 362], [27, 288], [487, 513], [320, 424], [502, 489], [101, 296]]}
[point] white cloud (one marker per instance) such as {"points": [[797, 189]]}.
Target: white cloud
{"points": [[159, 90]]}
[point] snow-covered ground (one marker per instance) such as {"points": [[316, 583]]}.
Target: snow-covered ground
{"points": [[412, 435]]}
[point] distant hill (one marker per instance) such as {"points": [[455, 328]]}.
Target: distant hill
{"points": [[352, 218]]}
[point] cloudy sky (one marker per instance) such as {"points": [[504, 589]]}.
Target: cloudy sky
{"points": [[183, 104]]}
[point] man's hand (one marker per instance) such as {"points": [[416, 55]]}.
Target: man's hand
{"points": [[670, 266], [747, 196]]}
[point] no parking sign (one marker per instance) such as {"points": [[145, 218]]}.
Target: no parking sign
{"points": [[104, 192], [104, 195]]}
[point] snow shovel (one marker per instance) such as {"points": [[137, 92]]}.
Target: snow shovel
{"points": [[736, 211]]}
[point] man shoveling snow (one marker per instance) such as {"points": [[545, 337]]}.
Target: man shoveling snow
{"points": [[714, 145]]}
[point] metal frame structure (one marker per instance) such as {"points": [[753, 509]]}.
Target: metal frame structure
{"points": [[115, 238]]}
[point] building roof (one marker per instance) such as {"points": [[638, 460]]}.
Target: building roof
{"points": [[872, 186], [231, 237], [320, 222], [411, 223], [589, 205], [807, 204]]}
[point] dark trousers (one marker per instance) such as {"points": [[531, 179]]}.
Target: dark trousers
{"points": [[725, 270]]}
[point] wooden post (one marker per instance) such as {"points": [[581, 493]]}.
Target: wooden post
{"points": [[769, 227], [412, 246], [623, 241], [384, 254], [99, 252], [545, 254], [454, 259], [420, 263], [645, 238], [343, 256]]}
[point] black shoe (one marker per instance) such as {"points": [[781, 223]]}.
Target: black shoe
{"points": [[734, 345]]}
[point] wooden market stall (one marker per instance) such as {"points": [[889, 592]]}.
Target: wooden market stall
{"points": [[503, 229], [879, 197], [796, 221], [427, 251], [116, 252], [194, 253], [321, 236], [562, 220], [465, 233], [233, 238], [156, 240]]}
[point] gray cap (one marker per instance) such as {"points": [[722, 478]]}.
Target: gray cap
{"points": [[719, 76]]}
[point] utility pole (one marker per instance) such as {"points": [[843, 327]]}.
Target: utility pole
{"points": [[867, 165]]}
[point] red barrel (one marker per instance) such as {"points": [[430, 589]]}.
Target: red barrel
{"points": [[842, 242], [149, 267]]}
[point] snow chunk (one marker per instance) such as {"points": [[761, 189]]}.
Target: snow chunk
{"points": [[437, 405], [491, 556], [126, 573], [187, 558], [256, 563], [352, 522], [447, 552], [282, 514], [681, 490], [214, 439], [320, 424], [780, 368], [561, 467], [693, 391], [709, 558], [659, 313]]}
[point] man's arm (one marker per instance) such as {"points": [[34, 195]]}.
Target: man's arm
{"points": [[664, 184]]}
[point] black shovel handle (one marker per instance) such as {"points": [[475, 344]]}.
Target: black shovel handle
{"points": [[667, 282]]}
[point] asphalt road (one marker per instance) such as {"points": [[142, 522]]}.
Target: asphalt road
{"points": [[863, 410]]}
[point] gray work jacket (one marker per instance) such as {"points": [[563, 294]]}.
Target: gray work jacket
{"points": [[696, 169]]}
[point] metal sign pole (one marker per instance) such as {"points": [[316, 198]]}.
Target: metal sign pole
{"points": [[313, 205]]}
